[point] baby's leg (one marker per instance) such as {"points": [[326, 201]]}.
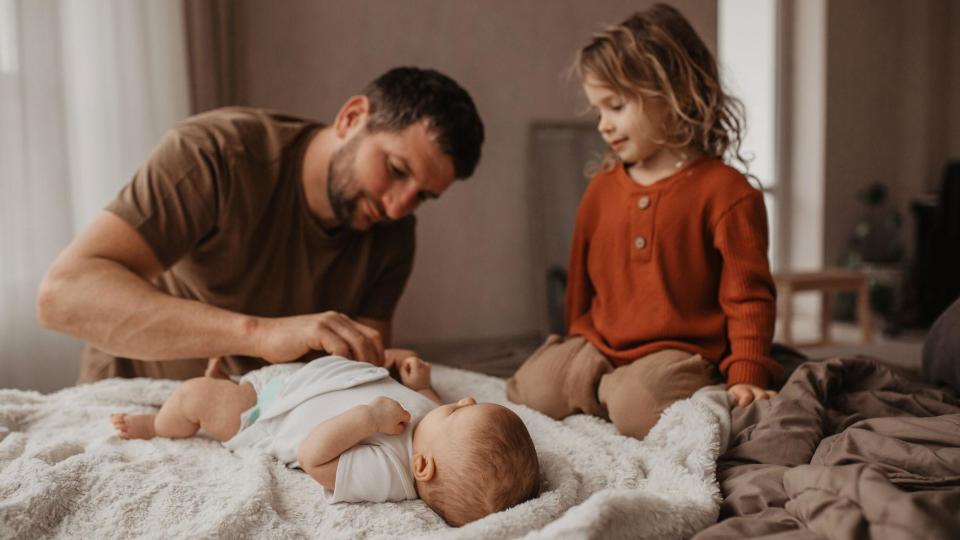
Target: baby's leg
{"points": [[213, 404], [131, 426]]}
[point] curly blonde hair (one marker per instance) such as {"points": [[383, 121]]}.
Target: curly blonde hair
{"points": [[657, 54]]}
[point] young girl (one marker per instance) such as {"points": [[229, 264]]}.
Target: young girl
{"points": [[668, 280]]}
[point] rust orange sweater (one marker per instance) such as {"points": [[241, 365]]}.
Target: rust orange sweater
{"points": [[678, 264]]}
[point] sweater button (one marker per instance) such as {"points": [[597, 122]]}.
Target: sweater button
{"points": [[640, 242], [643, 203]]}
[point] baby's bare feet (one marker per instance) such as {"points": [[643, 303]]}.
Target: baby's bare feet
{"points": [[133, 426]]}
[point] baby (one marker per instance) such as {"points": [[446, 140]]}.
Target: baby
{"points": [[361, 434]]}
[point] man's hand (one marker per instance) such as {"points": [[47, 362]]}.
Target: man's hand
{"points": [[389, 416], [286, 339], [744, 394], [415, 373]]}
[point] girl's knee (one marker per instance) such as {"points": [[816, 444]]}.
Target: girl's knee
{"points": [[546, 398], [636, 395], [636, 425], [560, 378]]}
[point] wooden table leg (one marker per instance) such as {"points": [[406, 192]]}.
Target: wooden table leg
{"points": [[786, 314], [826, 315], [864, 317]]}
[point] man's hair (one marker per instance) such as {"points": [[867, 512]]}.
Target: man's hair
{"points": [[500, 470], [406, 95]]}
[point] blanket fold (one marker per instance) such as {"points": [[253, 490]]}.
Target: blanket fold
{"points": [[849, 449]]}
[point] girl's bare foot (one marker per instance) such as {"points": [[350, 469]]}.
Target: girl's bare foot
{"points": [[133, 426], [215, 369]]}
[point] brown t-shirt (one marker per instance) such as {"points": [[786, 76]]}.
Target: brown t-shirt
{"points": [[221, 202]]}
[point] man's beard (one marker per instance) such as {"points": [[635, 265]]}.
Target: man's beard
{"points": [[340, 181]]}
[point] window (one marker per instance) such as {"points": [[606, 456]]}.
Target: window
{"points": [[747, 52]]}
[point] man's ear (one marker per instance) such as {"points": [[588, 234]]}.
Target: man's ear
{"points": [[353, 115], [424, 468]]}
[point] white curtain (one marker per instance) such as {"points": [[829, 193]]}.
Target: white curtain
{"points": [[86, 89]]}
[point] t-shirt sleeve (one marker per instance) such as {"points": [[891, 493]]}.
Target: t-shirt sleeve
{"points": [[172, 199], [372, 473], [390, 279]]}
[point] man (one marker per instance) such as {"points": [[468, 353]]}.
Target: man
{"points": [[263, 238]]}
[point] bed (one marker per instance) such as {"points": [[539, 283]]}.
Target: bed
{"points": [[850, 449], [63, 473]]}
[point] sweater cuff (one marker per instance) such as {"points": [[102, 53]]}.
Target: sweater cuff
{"points": [[747, 372]]}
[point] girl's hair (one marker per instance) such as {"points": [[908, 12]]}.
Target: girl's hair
{"points": [[657, 54]]}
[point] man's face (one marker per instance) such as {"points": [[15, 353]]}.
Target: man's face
{"points": [[385, 175]]}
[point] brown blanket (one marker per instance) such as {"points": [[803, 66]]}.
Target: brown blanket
{"points": [[849, 449]]}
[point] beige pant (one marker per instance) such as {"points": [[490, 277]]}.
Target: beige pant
{"points": [[570, 376]]}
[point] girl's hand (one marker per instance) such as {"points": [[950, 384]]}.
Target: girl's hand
{"points": [[389, 416], [415, 373], [744, 394]]}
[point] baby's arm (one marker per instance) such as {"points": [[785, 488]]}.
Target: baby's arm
{"points": [[319, 453], [415, 374]]}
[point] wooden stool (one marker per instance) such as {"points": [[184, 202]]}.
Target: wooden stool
{"points": [[827, 282]]}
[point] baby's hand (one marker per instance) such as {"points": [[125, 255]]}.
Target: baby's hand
{"points": [[389, 416], [415, 373], [392, 357], [745, 394]]}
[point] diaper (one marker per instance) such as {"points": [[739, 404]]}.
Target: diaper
{"points": [[267, 382]]}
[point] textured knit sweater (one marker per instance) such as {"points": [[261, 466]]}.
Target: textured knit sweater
{"points": [[680, 264]]}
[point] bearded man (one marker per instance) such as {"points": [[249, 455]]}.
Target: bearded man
{"points": [[258, 237]]}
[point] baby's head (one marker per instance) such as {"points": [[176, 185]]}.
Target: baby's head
{"points": [[473, 459]]}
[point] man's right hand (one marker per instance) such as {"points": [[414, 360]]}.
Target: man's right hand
{"points": [[286, 339]]}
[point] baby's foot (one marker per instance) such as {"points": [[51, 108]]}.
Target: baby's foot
{"points": [[133, 426]]}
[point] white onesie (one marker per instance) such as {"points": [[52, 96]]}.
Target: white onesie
{"points": [[378, 468]]}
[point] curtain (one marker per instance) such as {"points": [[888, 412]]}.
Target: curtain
{"points": [[212, 34], [86, 90]]}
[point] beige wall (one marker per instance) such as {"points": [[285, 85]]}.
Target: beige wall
{"points": [[892, 101], [473, 275], [952, 55]]}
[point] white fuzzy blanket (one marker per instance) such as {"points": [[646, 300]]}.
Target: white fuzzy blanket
{"points": [[64, 474]]}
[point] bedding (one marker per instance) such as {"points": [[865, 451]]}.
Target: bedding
{"points": [[850, 449], [63, 473]]}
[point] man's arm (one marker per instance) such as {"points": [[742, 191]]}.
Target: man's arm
{"points": [[319, 454], [99, 290]]}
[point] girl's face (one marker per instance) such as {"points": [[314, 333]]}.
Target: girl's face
{"points": [[632, 127]]}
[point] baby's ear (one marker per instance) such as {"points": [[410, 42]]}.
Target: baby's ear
{"points": [[423, 468]]}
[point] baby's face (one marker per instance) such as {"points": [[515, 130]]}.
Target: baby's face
{"points": [[443, 428]]}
